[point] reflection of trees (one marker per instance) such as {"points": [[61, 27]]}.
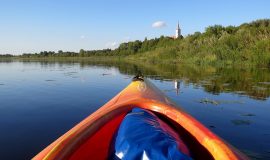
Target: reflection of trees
{"points": [[6, 60], [249, 81], [253, 82]]}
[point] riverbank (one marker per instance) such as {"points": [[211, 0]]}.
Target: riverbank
{"points": [[144, 59]]}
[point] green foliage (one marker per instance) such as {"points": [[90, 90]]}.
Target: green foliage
{"points": [[5, 55], [216, 30]]}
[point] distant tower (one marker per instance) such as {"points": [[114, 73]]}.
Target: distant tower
{"points": [[177, 31]]}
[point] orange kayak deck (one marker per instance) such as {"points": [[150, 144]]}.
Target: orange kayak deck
{"points": [[91, 138]]}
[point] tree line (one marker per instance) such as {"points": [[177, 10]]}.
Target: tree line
{"points": [[5, 55]]}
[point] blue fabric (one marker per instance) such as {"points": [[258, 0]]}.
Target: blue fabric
{"points": [[142, 136]]}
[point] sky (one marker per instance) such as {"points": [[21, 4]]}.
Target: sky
{"points": [[28, 26]]}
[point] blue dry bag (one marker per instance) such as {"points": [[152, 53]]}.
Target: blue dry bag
{"points": [[142, 136]]}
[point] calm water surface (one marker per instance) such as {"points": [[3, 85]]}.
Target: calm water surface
{"points": [[39, 101]]}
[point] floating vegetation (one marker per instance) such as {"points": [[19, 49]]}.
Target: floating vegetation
{"points": [[75, 77], [226, 84], [71, 74], [166, 79], [217, 102], [240, 92], [248, 115], [106, 74], [209, 101], [266, 83], [227, 90], [259, 88], [207, 84], [50, 80], [241, 122], [168, 90], [204, 82], [212, 126], [172, 90], [255, 156]]}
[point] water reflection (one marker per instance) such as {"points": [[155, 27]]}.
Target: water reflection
{"points": [[253, 82], [177, 86]]}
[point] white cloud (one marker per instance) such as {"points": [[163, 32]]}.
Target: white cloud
{"points": [[127, 39], [159, 24], [112, 45], [82, 37]]}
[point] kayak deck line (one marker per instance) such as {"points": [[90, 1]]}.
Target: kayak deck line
{"points": [[95, 132]]}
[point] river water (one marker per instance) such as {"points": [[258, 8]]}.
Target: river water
{"points": [[41, 100]]}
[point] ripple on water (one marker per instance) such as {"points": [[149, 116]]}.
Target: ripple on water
{"points": [[257, 156], [71, 74]]}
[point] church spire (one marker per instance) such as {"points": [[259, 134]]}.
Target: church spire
{"points": [[178, 31]]}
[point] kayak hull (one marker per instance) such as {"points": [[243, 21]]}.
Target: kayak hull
{"points": [[92, 136]]}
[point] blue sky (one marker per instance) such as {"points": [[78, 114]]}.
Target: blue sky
{"points": [[69, 25]]}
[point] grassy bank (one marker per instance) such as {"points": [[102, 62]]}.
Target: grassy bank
{"points": [[247, 44]]}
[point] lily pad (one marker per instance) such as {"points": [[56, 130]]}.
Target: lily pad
{"points": [[248, 115], [49, 80], [241, 122], [209, 101]]}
